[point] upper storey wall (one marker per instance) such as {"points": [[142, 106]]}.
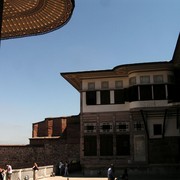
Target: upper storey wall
{"points": [[125, 80], [136, 83]]}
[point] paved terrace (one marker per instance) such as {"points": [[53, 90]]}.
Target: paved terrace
{"points": [[45, 173], [131, 177]]}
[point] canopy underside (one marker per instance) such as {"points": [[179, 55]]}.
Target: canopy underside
{"points": [[32, 17]]}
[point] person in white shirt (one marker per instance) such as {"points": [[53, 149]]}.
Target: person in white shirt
{"points": [[61, 168], [9, 171], [110, 172]]}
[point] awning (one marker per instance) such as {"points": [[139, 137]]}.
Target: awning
{"points": [[22, 18]]}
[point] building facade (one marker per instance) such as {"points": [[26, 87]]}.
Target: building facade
{"points": [[129, 115]]}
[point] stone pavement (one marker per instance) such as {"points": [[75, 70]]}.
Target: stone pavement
{"points": [[131, 177]]}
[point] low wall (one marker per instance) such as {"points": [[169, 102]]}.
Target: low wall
{"points": [[144, 170], [27, 173]]}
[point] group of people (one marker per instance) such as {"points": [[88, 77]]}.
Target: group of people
{"points": [[63, 168], [111, 175], [5, 174]]}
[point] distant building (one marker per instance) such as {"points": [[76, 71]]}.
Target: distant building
{"points": [[129, 115]]}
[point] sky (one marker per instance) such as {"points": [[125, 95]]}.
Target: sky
{"points": [[101, 34]]}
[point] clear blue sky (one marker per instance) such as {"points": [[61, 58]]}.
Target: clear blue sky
{"points": [[100, 35]]}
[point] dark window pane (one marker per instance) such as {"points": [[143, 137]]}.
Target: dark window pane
{"points": [[119, 96], [157, 129], [133, 93], [90, 146], [122, 126], [159, 92], [91, 97], [171, 91], [105, 97], [91, 128], [123, 145], [145, 92], [106, 127], [106, 145]]}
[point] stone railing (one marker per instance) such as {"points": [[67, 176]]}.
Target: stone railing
{"points": [[27, 173]]}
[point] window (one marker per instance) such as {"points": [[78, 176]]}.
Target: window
{"points": [[91, 86], [89, 127], [105, 97], [119, 96], [171, 92], [158, 78], [144, 79], [90, 146], [171, 79], [104, 85], [91, 97], [118, 84], [145, 92], [159, 92], [133, 93], [106, 145], [106, 127], [157, 129], [132, 81], [138, 126], [123, 145], [122, 126]]}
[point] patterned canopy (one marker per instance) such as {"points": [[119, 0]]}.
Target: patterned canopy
{"points": [[21, 18]]}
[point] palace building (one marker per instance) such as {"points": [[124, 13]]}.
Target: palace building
{"points": [[129, 115]]}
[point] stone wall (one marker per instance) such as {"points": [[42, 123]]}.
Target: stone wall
{"points": [[164, 150], [45, 150], [51, 152], [43, 172]]}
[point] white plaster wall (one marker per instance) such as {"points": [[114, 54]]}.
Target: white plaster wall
{"points": [[151, 74], [170, 127], [110, 80], [152, 103]]}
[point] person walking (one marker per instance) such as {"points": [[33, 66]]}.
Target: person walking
{"points": [[35, 169], [61, 168], [66, 171], [110, 172]]}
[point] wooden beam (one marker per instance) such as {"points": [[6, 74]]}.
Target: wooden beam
{"points": [[145, 123], [164, 122]]}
